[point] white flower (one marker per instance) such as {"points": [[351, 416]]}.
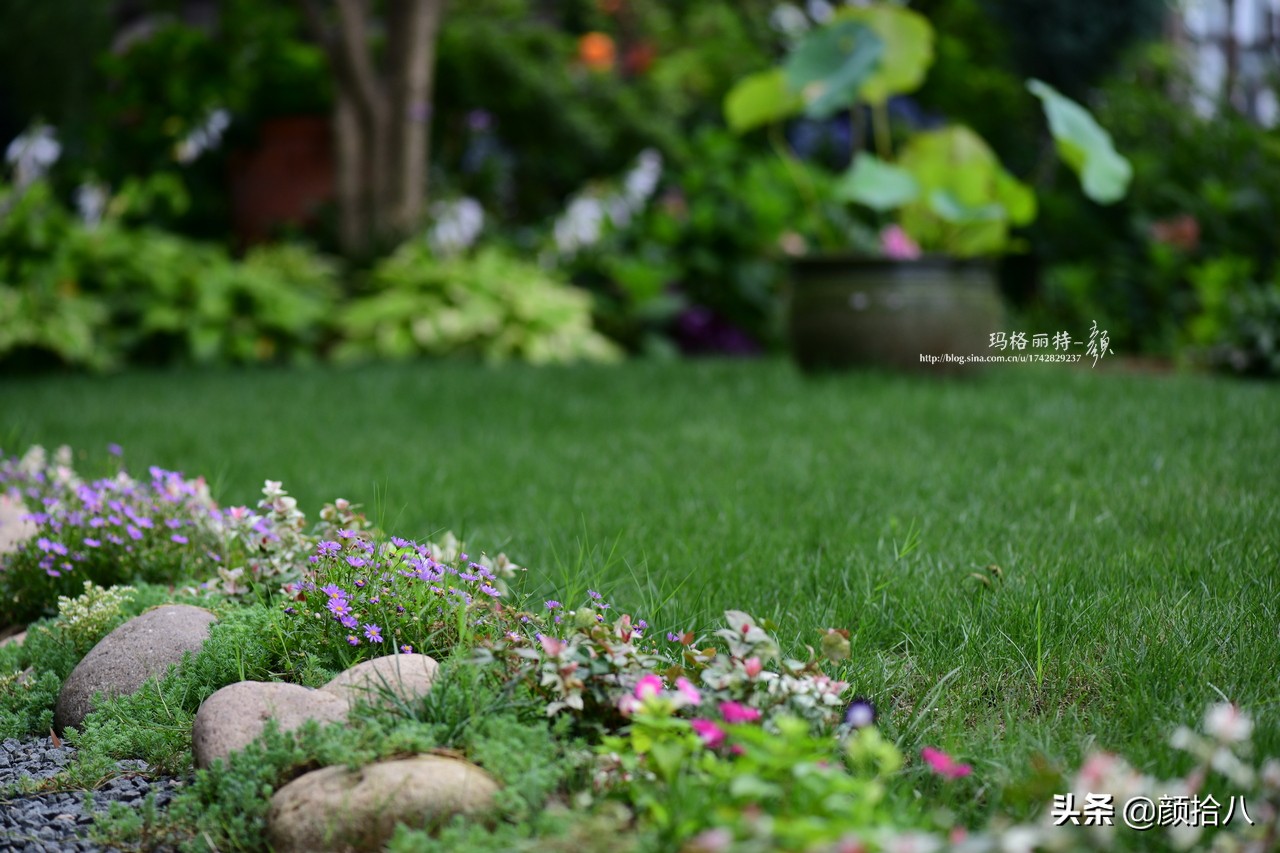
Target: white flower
{"points": [[1227, 723], [642, 180], [204, 138], [580, 226], [457, 225], [91, 201], [1019, 839], [820, 10], [32, 153], [787, 19]]}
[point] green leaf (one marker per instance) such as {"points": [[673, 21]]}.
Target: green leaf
{"points": [[760, 99], [945, 204], [967, 200], [877, 184], [907, 39], [1084, 145], [830, 64]]}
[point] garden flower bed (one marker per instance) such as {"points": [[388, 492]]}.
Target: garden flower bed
{"points": [[601, 731]]}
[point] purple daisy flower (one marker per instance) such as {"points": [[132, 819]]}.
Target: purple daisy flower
{"points": [[373, 633]]}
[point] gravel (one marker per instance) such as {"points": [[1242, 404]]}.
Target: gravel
{"points": [[59, 822]]}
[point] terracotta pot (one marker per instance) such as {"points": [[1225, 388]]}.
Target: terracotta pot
{"points": [[285, 179], [860, 312]]}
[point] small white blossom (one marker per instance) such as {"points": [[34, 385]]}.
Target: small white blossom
{"points": [[789, 20], [583, 221], [457, 225], [820, 10], [1227, 723], [642, 180], [32, 153], [204, 138], [91, 201], [580, 226]]}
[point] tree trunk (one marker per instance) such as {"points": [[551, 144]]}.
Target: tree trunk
{"points": [[411, 53], [381, 116]]}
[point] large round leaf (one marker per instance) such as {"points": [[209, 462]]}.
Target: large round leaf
{"points": [[908, 49], [760, 99], [830, 64], [967, 200], [877, 184], [1084, 145]]}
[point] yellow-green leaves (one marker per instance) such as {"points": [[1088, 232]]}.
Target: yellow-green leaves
{"points": [[908, 49], [1084, 145], [877, 184], [830, 64], [823, 75], [967, 201], [760, 99]]}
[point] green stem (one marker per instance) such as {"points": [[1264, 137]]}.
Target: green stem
{"points": [[804, 184], [880, 124]]}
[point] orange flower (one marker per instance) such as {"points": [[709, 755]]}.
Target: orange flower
{"points": [[597, 52]]}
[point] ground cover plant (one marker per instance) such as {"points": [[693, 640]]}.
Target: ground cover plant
{"points": [[1029, 566]]}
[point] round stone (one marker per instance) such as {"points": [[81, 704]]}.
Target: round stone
{"points": [[386, 681], [141, 648], [236, 715], [336, 810]]}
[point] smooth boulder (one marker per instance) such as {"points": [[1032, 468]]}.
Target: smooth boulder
{"points": [[141, 648], [336, 810], [236, 715], [386, 681]]}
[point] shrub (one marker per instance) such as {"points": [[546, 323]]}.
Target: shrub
{"points": [[164, 529], [110, 530], [493, 306]]}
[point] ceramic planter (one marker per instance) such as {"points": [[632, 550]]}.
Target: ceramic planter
{"points": [[860, 312]]}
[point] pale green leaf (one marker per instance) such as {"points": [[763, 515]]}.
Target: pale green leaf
{"points": [[1084, 145], [877, 184], [760, 99]]}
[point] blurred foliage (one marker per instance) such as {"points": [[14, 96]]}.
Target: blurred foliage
{"points": [[492, 305], [1237, 327], [973, 81], [517, 87], [47, 54], [101, 296], [713, 239], [1074, 44], [1188, 258]]}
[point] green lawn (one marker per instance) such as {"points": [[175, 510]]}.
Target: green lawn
{"points": [[1134, 518]]}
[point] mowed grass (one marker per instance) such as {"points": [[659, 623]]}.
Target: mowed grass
{"points": [[1135, 520]]}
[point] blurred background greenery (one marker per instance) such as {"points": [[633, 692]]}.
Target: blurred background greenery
{"points": [[171, 192]]}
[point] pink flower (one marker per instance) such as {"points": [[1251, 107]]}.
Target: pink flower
{"points": [[944, 765], [753, 667], [710, 733], [895, 244], [688, 691], [734, 712], [551, 645], [648, 687]]}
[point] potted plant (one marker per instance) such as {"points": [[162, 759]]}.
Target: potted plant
{"points": [[945, 203]]}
